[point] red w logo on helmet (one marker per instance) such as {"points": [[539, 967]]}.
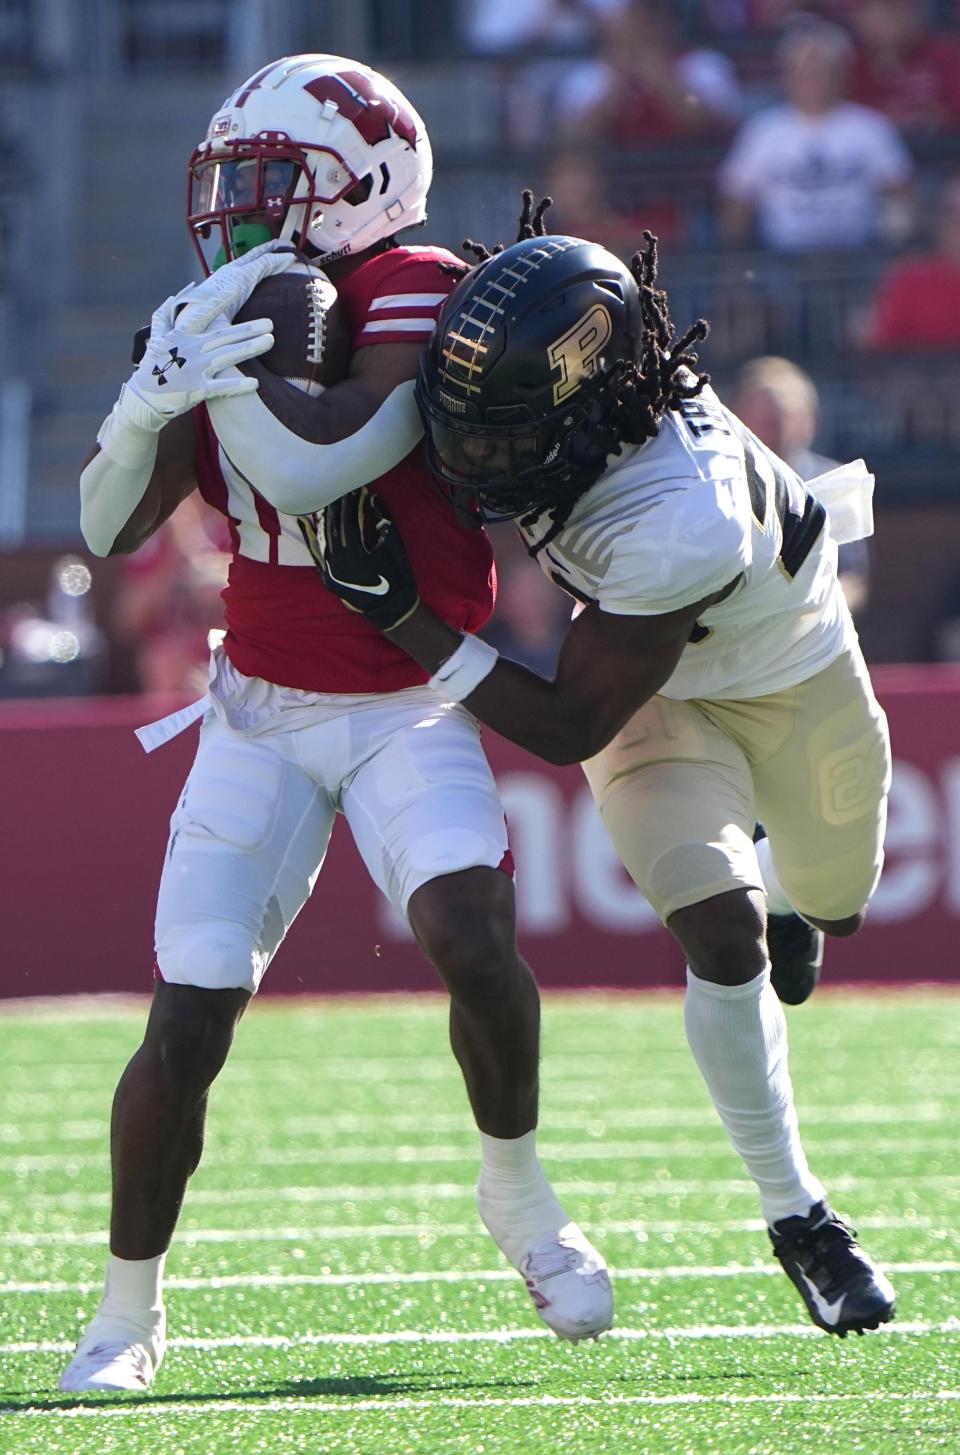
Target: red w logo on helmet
{"points": [[373, 114]]}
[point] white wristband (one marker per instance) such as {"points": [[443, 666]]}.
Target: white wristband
{"points": [[462, 673], [124, 438]]}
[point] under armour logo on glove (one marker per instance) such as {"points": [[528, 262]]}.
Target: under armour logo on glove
{"points": [[359, 553], [180, 369], [160, 370]]}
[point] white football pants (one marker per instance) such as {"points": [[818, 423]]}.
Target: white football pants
{"points": [[249, 835]]}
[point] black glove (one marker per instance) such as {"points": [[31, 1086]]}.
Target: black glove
{"points": [[362, 559]]}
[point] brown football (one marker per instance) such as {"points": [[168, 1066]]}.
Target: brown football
{"points": [[310, 327]]}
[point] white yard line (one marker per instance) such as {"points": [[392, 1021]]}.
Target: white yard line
{"points": [[304, 1406], [300, 1405], [449, 1275], [297, 1404], [916, 1328], [41, 1130], [650, 1117], [403, 1154], [427, 1229], [370, 1192], [567, 1075], [36, 1203], [392, 1192]]}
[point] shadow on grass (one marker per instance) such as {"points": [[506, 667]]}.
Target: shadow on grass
{"points": [[358, 1387], [665, 1381]]}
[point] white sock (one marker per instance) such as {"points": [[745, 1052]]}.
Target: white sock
{"points": [[777, 901], [509, 1159], [133, 1291], [738, 1036], [516, 1202]]}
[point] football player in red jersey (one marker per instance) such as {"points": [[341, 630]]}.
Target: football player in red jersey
{"points": [[310, 710]]}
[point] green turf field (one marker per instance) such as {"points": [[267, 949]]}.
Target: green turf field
{"points": [[332, 1291]]}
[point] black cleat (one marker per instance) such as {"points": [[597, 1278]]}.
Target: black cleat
{"points": [[843, 1291], [796, 954]]}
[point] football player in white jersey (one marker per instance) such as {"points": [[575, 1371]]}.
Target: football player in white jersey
{"points": [[310, 713], [711, 677]]}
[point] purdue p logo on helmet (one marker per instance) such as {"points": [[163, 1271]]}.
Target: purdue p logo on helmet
{"points": [[511, 427]]}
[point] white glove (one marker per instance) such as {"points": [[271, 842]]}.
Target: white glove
{"points": [[183, 367], [227, 290]]}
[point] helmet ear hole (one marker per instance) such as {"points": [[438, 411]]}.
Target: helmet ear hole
{"points": [[361, 192]]}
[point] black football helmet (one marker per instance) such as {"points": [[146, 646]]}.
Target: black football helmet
{"points": [[511, 386]]}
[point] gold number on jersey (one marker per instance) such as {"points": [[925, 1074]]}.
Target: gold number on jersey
{"points": [[852, 778], [576, 353]]}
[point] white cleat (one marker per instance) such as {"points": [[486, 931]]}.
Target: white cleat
{"points": [[569, 1283], [566, 1277], [112, 1356]]}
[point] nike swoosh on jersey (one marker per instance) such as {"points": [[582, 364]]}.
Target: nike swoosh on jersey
{"points": [[381, 587], [829, 1312]]}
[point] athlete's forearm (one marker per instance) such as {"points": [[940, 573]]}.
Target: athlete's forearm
{"points": [[113, 485], [318, 419], [121, 506], [522, 706], [305, 457]]}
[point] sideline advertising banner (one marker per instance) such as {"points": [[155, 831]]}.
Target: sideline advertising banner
{"points": [[85, 816]]}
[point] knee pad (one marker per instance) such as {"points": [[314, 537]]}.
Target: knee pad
{"points": [[212, 956]]}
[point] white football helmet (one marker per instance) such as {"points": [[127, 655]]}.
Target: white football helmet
{"points": [[317, 150]]}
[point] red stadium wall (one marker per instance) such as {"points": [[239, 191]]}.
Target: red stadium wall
{"points": [[84, 815]]}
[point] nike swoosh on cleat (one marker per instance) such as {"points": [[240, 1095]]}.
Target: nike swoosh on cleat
{"points": [[829, 1312], [381, 587]]}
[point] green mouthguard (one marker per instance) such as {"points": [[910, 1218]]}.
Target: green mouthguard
{"points": [[243, 237]]}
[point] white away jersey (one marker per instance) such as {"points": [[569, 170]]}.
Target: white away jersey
{"points": [[683, 516]]}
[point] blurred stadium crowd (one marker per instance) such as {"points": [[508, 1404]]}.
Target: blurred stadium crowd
{"points": [[800, 163]]}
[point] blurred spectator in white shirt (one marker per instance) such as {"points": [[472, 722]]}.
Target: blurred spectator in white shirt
{"points": [[817, 171]]}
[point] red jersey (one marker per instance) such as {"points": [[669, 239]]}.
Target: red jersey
{"points": [[282, 623], [920, 91], [918, 306]]}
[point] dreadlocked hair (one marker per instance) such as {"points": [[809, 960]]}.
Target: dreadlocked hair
{"points": [[660, 378], [627, 403], [644, 389], [531, 224]]}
